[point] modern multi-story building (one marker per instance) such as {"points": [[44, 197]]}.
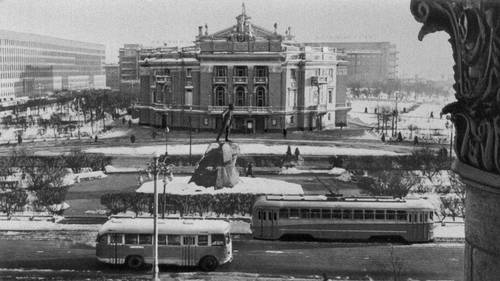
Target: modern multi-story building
{"points": [[33, 65], [368, 61], [128, 61], [112, 76], [273, 85]]}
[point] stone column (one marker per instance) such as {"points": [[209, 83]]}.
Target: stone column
{"points": [[474, 29]]}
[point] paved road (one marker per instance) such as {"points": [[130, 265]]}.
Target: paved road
{"points": [[64, 259]]}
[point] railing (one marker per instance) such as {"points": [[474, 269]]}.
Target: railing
{"points": [[240, 79], [346, 104], [189, 82], [242, 109], [163, 79], [318, 80], [220, 80], [260, 80]]}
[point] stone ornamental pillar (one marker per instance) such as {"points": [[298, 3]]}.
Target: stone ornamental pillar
{"points": [[474, 29]]}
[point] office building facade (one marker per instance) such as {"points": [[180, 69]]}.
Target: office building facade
{"points": [[34, 65]]}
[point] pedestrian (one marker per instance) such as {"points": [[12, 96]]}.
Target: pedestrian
{"points": [[123, 121], [383, 137], [366, 109], [284, 133], [249, 170], [400, 137], [415, 140], [95, 139]]}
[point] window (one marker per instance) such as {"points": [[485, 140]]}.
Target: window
{"points": [[147, 239], [260, 97], [130, 238], [326, 213], [116, 239], [317, 71], [205, 121], [188, 240], [217, 239], [380, 215], [369, 215], [401, 216], [294, 213], [330, 72], [162, 239], [188, 98], [346, 214], [202, 240], [260, 71], [431, 216], [220, 96], [103, 239], [220, 71], [188, 72], [358, 214], [283, 213], [305, 213], [174, 239], [291, 119], [315, 213], [337, 214], [240, 96], [330, 95], [329, 116], [240, 71]]}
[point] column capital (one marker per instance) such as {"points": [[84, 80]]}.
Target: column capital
{"points": [[474, 29]]}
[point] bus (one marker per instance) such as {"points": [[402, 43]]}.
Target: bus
{"points": [[342, 218], [183, 242]]}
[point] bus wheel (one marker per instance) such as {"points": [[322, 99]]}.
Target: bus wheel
{"points": [[135, 262], [208, 263]]}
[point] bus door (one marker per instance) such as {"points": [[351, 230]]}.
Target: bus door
{"points": [[188, 250], [269, 223], [116, 240]]}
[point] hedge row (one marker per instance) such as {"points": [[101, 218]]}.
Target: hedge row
{"points": [[226, 204]]}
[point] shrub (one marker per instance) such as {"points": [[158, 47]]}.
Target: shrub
{"points": [[132, 138], [12, 200]]}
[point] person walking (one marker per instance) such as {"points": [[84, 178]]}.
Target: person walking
{"points": [[249, 172]]}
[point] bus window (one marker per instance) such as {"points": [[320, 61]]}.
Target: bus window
{"points": [[202, 240], [326, 213], [174, 240], [337, 214], [116, 239], [401, 216], [430, 216], [103, 239], [162, 239], [217, 239], [420, 217], [358, 214], [131, 239], [294, 213], [147, 239], [188, 240], [305, 213], [315, 213], [391, 215], [346, 214], [369, 215], [379, 214], [426, 217], [283, 213]]}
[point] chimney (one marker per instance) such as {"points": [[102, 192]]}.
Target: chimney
{"points": [[200, 31]]}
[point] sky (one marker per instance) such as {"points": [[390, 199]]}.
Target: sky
{"points": [[154, 22]]}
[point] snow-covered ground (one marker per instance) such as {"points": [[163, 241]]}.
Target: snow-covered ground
{"points": [[245, 148], [180, 185]]}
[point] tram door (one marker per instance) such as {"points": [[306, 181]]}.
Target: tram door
{"points": [[268, 223]]}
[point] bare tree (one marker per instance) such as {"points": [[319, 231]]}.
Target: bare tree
{"points": [[396, 265], [397, 183]]}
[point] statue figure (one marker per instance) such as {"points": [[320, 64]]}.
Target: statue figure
{"points": [[227, 119]]}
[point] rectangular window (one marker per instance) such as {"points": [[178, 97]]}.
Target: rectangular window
{"points": [[369, 215], [326, 213], [103, 239], [293, 74], [330, 96], [260, 71], [188, 72], [337, 214], [220, 71], [162, 239], [315, 213], [431, 214], [202, 240], [358, 214], [130, 238], [401, 215], [380, 215], [240, 71], [305, 213], [390, 215], [217, 239], [147, 239], [346, 214], [174, 239], [188, 240], [283, 213], [330, 72], [294, 213]]}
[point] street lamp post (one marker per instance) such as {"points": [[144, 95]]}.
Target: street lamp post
{"points": [[449, 125], [190, 135]]}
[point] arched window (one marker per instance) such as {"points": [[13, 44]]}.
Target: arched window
{"points": [[220, 96], [240, 96], [260, 96]]}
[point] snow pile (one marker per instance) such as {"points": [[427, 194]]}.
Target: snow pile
{"points": [[180, 185], [89, 175], [294, 171], [24, 225]]}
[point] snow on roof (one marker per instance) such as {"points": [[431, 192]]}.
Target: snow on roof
{"points": [[170, 226], [180, 185]]}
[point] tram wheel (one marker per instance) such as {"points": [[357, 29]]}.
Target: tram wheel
{"points": [[135, 262], [208, 263]]}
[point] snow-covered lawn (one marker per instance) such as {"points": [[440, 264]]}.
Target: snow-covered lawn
{"points": [[180, 185], [245, 148]]}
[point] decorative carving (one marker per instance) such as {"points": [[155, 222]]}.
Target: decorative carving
{"points": [[475, 40]]}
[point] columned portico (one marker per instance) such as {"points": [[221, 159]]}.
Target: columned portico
{"points": [[474, 29]]}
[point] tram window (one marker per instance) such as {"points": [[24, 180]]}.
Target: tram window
{"points": [[294, 213], [218, 240], [162, 239], [305, 213], [130, 238], [202, 240], [401, 216], [379, 214], [275, 216], [315, 213], [174, 239], [283, 213], [431, 216], [146, 239], [426, 217], [391, 215], [337, 214], [346, 214], [259, 214], [188, 240], [369, 215], [358, 214], [326, 213], [420, 217], [410, 217]]}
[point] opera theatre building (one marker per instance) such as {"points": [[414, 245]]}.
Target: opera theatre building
{"points": [[272, 81]]}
